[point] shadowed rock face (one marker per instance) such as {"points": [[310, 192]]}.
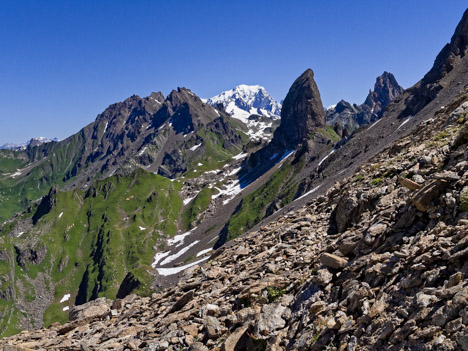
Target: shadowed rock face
{"points": [[302, 111], [451, 56], [457, 47]]}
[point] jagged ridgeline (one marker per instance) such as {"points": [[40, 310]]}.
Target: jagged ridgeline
{"points": [[151, 133]]}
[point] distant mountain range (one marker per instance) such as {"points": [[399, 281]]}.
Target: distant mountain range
{"points": [[33, 142]]}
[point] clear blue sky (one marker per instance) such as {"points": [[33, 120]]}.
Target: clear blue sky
{"points": [[62, 62]]}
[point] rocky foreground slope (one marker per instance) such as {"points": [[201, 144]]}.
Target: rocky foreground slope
{"points": [[377, 263]]}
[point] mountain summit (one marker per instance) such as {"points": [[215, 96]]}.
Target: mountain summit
{"points": [[245, 100], [386, 89], [253, 106]]}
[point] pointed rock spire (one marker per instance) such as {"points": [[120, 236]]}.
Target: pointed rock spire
{"points": [[302, 111]]}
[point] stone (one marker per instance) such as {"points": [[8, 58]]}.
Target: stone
{"points": [[409, 184], [198, 346], [213, 327], [16, 348], [190, 329], [377, 229], [463, 342], [423, 197], [317, 307], [455, 279], [333, 261], [271, 319], [209, 310], [233, 339], [182, 301], [96, 309]]}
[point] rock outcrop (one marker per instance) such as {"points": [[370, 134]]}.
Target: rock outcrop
{"points": [[386, 89], [302, 112]]}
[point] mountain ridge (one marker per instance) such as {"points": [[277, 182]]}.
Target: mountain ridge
{"points": [[346, 117]]}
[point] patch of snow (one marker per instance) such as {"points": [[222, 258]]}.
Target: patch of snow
{"points": [[14, 175], [373, 124], [234, 171], [244, 100], [179, 239], [158, 257], [199, 164], [239, 156], [60, 215], [179, 253], [202, 252], [66, 308], [194, 147], [309, 192], [105, 128], [65, 297], [216, 237], [175, 270], [150, 125], [142, 151], [405, 121], [286, 154], [141, 228], [323, 159], [187, 200], [19, 234], [231, 190]]}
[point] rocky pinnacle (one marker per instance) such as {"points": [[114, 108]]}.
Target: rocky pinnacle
{"points": [[302, 111]]}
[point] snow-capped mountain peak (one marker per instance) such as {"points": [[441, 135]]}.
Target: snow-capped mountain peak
{"points": [[245, 100]]}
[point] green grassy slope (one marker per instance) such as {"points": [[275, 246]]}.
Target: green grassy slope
{"points": [[95, 238]]}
